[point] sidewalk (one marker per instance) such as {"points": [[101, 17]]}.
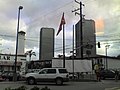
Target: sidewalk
{"points": [[114, 88], [12, 82], [86, 78]]}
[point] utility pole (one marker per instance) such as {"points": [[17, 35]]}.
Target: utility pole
{"points": [[81, 26], [106, 50], [73, 53]]}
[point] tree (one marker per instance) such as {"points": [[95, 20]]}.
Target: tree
{"points": [[118, 56], [30, 53]]}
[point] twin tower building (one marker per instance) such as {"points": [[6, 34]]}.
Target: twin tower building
{"points": [[46, 46]]}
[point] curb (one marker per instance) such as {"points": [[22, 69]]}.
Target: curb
{"points": [[11, 82]]}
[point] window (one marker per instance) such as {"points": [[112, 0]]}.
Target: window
{"points": [[13, 68], [43, 72], [63, 71], [51, 71]]}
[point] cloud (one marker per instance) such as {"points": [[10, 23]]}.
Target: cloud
{"points": [[7, 47], [107, 10], [107, 16], [43, 13]]}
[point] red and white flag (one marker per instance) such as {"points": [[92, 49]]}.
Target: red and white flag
{"points": [[61, 24]]}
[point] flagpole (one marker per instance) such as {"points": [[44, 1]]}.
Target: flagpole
{"points": [[62, 23], [63, 46]]}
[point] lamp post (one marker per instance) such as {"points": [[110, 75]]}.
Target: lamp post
{"points": [[15, 74], [106, 47]]}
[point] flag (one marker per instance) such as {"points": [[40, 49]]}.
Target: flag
{"points": [[61, 24]]}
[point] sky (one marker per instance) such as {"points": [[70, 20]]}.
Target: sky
{"points": [[47, 13]]}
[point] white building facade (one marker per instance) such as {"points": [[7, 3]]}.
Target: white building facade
{"points": [[7, 61]]}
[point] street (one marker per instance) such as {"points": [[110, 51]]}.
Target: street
{"points": [[103, 85]]}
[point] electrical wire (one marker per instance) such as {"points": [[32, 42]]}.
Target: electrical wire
{"points": [[48, 13]]}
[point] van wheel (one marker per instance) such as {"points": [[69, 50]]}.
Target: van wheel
{"points": [[59, 81], [31, 81]]}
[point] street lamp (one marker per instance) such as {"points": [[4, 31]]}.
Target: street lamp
{"points": [[15, 74]]}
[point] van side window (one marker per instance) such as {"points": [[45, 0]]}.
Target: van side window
{"points": [[51, 71], [63, 71], [43, 72]]}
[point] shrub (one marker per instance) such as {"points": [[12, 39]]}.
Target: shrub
{"points": [[45, 88], [35, 88], [19, 88], [25, 88]]}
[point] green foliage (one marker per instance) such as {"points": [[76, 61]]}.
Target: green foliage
{"points": [[25, 88], [8, 88], [35, 88], [19, 88], [45, 88]]}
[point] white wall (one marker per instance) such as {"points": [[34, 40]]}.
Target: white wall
{"points": [[21, 43], [79, 65], [113, 63]]}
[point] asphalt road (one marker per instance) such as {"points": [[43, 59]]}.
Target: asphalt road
{"points": [[103, 85]]}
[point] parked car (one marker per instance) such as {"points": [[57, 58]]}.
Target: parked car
{"points": [[108, 73], [57, 75], [73, 76], [9, 75], [4, 75]]}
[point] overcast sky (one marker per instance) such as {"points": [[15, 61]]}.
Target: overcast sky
{"points": [[47, 13]]}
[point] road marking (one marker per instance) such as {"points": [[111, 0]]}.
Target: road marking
{"points": [[114, 88]]}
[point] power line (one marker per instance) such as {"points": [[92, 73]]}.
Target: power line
{"points": [[48, 13], [103, 40]]}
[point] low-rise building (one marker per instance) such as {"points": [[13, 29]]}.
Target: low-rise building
{"points": [[7, 62]]}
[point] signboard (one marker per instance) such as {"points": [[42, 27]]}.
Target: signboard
{"points": [[11, 57], [4, 57]]}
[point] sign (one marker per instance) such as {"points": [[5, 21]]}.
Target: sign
{"points": [[4, 57]]}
